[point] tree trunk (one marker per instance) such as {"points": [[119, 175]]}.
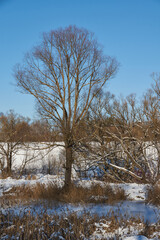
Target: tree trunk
{"points": [[9, 165], [9, 159], [68, 170]]}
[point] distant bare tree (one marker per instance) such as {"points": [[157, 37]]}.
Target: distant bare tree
{"points": [[64, 74], [41, 131], [13, 130]]}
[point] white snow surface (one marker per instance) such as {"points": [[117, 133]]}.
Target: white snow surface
{"points": [[139, 237], [9, 183], [134, 191], [36, 155], [136, 207]]}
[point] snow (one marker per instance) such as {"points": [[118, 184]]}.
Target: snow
{"points": [[37, 155], [136, 193], [124, 209], [9, 183], [139, 237]]}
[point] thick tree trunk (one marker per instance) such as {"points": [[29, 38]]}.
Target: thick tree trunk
{"points": [[68, 170], [9, 159], [9, 164]]}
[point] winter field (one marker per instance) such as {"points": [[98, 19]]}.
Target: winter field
{"points": [[33, 208]]}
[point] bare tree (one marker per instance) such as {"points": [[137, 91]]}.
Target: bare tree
{"points": [[125, 136], [64, 74], [151, 113], [41, 131], [13, 130]]}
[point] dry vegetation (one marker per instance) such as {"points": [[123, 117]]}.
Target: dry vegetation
{"points": [[70, 226], [77, 194], [154, 195]]}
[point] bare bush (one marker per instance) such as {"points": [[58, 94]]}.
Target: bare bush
{"points": [[153, 195], [127, 138]]}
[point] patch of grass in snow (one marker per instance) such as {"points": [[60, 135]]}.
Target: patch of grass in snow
{"points": [[77, 194]]}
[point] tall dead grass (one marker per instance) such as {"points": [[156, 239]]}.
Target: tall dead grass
{"points": [[70, 226], [153, 195], [76, 194]]}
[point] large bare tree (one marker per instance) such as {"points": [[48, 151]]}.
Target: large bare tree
{"points": [[64, 74]]}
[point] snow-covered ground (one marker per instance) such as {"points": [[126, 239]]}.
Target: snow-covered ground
{"points": [[140, 237], [36, 155], [136, 192], [8, 183], [136, 207]]}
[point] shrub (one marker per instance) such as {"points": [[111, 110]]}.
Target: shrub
{"points": [[153, 195]]}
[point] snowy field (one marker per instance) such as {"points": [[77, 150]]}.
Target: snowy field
{"points": [[135, 206]]}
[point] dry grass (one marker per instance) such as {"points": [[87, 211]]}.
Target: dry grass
{"points": [[4, 175], [69, 226], [153, 196], [76, 194], [43, 226], [31, 177]]}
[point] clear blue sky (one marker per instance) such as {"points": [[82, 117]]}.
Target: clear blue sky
{"points": [[128, 30]]}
